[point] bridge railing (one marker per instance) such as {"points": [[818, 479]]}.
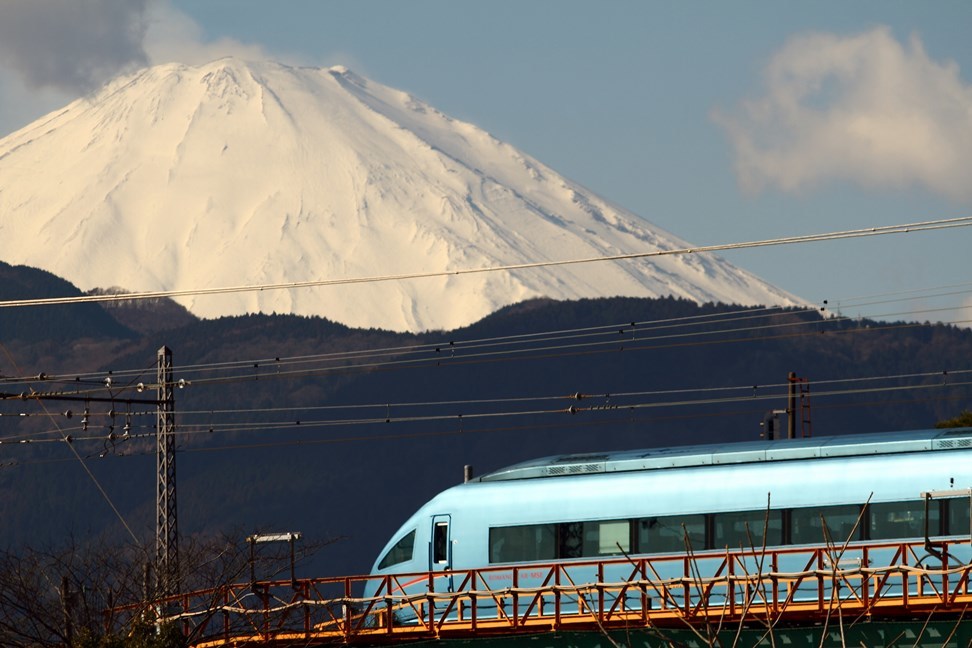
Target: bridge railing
{"points": [[796, 583]]}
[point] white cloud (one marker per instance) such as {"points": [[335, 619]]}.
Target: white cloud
{"points": [[52, 52], [71, 46], [174, 37], [863, 108]]}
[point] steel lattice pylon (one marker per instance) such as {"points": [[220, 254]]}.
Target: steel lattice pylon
{"points": [[167, 528]]}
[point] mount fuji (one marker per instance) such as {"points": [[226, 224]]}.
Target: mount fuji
{"points": [[251, 173]]}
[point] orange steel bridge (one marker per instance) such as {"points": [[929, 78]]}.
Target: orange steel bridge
{"points": [[757, 588]]}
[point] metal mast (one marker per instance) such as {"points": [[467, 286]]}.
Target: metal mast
{"points": [[167, 529]]}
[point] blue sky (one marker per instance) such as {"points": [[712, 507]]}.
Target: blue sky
{"points": [[719, 122]]}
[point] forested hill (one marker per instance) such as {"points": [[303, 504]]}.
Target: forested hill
{"points": [[292, 423]]}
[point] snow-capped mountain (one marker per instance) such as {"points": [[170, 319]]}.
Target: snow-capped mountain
{"points": [[236, 173]]}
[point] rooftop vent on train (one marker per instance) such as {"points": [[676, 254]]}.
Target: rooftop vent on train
{"points": [[577, 464], [961, 438]]}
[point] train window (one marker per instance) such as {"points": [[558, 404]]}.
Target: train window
{"points": [[401, 552], [570, 540], [522, 543], [807, 524], [959, 522], [608, 536], [593, 538], [745, 529], [666, 534], [891, 520]]}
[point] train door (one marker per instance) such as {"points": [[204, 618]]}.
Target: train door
{"points": [[440, 549]]}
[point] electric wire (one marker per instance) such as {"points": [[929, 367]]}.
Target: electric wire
{"points": [[96, 379], [453, 345], [577, 396], [736, 315], [945, 375], [684, 398], [188, 369], [258, 374], [84, 465], [573, 423], [506, 354], [906, 228], [555, 350], [914, 293], [901, 299]]}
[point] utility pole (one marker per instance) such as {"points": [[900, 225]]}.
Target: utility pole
{"points": [[791, 405], [167, 528], [796, 387]]}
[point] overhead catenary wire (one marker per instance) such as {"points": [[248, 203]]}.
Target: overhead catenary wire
{"points": [[84, 465], [505, 354], [766, 390], [279, 442], [97, 378], [455, 345], [683, 398], [562, 349], [276, 363], [560, 425], [578, 396], [913, 293], [906, 228], [543, 336], [577, 409]]}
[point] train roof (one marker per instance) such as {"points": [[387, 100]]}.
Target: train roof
{"points": [[735, 453]]}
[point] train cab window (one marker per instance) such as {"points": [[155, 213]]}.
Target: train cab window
{"points": [[892, 520], [666, 534], [401, 552], [745, 529], [807, 524], [530, 542], [440, 543], [959, 522]]}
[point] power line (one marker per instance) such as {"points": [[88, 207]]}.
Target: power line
{"points": [[571, 423], [642, 343], [452, 345], [97, 378], [461, 355], [84, 465], [449, 349], [914, 293], [94, 381], [906, 228], [610, 402]]}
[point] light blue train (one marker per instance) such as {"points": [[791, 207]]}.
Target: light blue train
{"points": [[858, 490]]}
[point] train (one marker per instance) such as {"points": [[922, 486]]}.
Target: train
{"points": [[850, 489]]}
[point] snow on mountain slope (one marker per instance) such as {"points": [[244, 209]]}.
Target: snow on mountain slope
{"points": [[236, 173]]}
